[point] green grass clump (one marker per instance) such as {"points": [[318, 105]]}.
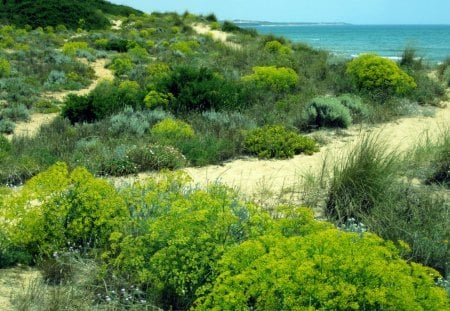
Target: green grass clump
{"points": [[277, 142], [360, 180]]}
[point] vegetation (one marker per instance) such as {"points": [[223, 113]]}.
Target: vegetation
{"points": [[177, 99], [89, 14], [373, 73], [278, 142], [187, 248]]}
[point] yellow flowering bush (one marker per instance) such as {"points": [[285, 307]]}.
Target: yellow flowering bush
{"points": [[172, 130], [71, 48], [325, 270], [275, 78], [372, 72], [57, 207]]}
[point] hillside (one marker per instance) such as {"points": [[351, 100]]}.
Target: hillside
{"points": [[89, 14]]}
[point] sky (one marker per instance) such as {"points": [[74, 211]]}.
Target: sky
{"points": [[348, 11]]}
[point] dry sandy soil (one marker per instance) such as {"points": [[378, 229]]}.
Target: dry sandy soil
{"points": [[217, 35]]}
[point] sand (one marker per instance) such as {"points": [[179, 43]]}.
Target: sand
{"points": [[116, 24], [249, 175], [217, 35]]}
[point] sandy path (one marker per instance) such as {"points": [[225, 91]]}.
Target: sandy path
{"points": [[252, 175], [32, 126], [12, 280], [267, 179], [217, 35]]}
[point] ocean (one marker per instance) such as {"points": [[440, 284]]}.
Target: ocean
{"points": [[432, 42]]}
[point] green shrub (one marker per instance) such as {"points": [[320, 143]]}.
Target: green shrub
{"points": [[130, 94], [208, 148], [215, 26], [172, 130], [199, 89], [78, 109], [116, 165], [374, 73], [410, 60], [129, 122], [156, 157], [71, 48], [327, 112], [276, 47], [17, 112], [7, 126], [277, 79], [122, 65], [277, 142], [5, 68], [180, 235], [355, 104], [428, 91], [155, 99], [185, 47], [325, 270], [57, 207]]}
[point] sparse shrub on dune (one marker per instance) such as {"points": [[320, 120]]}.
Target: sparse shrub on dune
{"points": [[328, 112], [277, 142]]}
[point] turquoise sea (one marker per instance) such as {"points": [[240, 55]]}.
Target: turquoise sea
{"points": [[432, 42]]}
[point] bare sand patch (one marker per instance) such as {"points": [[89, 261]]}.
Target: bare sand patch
{"points": [[116, 24], [217, 35]]}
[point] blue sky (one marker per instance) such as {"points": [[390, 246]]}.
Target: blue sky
{"points": [[350, 11]]}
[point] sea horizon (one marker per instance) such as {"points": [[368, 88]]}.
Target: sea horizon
{"points": [[431, 41]]}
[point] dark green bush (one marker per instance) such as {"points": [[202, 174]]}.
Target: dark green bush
{"points": [[199, 89], [78, 109], [106, 99], [327, 112], [277, 142], [210, 149]]}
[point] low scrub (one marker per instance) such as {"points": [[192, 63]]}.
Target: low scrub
{"points": [[277, 142], [328, 112]]}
